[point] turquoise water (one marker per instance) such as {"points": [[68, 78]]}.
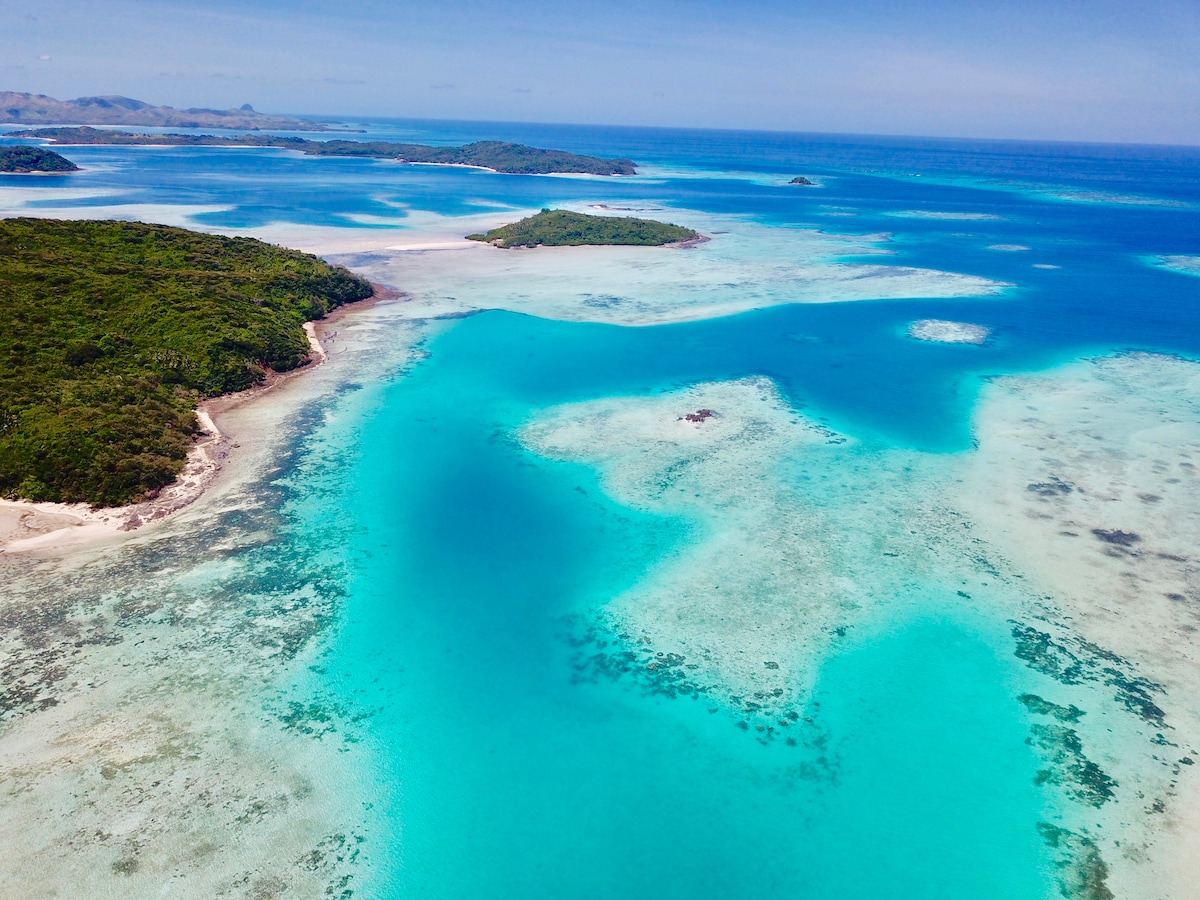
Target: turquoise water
{"points": [[508, 779], [500, 771]]}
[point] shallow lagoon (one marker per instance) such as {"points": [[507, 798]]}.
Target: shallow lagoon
{"points": [[516, 773], [476, 576]]}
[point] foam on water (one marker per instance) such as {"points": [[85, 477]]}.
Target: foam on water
{"points": [[947, 216]]}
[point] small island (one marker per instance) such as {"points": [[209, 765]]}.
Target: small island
{"points": [[560, 228], [112, 332], [499, 156], [800, 179], [33, 161]]}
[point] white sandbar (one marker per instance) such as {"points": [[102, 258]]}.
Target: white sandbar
{"points": [[942, 331]]}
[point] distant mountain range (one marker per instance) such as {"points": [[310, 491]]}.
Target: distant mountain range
{"points": [[38, 109]]}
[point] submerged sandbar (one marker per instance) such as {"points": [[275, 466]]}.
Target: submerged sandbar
{"points": [[942, 331]]}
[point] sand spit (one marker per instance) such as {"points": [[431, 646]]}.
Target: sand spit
{"points": [[941, 331], [161, 731], [26, 526]]}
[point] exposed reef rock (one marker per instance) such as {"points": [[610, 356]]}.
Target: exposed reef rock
{"points": [[943, 332]]}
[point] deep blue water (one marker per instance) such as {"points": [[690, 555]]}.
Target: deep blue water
{"points": [[502, 776]]}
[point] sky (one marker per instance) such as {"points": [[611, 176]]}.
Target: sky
{"points": [[1031, 69]]}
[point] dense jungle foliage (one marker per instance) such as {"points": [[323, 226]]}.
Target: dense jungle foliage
{"points": [[510, 159], [110, 332], [33, 159], [560, 228]]}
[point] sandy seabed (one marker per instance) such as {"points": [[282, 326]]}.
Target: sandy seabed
{"points": [[159, 731], [160, 741], [1076, 518]]}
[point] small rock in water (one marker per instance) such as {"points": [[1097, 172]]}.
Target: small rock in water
{"points": [[1116, 536]]}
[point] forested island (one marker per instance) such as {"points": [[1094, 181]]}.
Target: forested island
{"points": [[31, 160], [38, 109], [499, 156], [800, 179], [111, 332], [560, 228]]}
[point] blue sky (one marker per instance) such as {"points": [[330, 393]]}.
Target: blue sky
{"points": [[1069, 70]]}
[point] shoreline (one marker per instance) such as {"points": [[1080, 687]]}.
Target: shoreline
{"points": [[402, 162], [28, 526], [67, 172], [212, 451]]}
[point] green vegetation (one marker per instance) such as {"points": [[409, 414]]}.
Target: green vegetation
{"points": [[510, 159], [33, 159], [560, 228], [800, 179], [110, 332]]}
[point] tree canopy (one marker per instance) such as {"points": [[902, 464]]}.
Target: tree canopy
{"points": [[110, 332], [23, 160], [561, 228], [500, 156]]}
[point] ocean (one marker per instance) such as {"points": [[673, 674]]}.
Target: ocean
{"points": [[576, 653]]}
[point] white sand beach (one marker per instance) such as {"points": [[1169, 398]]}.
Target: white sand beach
{"points": [[1079, 496], [165, 740]]}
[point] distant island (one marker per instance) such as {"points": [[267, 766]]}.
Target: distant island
{"points": [[560, 228], [800, 179], [111, 332], [33, 160], [38, 109], [499, 156]]}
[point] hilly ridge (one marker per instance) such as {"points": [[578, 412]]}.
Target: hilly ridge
{"points": [[39, 109]]}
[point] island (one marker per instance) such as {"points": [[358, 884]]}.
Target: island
{"points": [[33, 161], [38, 109], [112, 332], [499, 156], [561, 228], [800, 179]]}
